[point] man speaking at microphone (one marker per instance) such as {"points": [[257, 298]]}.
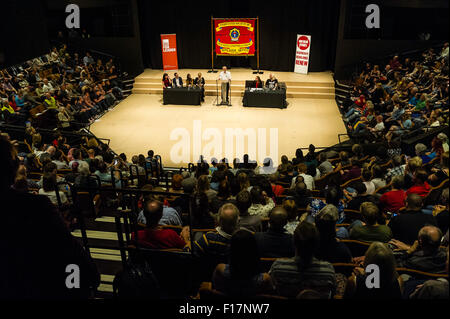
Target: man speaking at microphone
{"points": [[225, 79]]}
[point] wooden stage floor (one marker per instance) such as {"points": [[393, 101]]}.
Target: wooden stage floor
{"points": [[179, 133]]}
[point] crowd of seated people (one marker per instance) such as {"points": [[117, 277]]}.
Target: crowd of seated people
{"points": [[70, 87], [395, 214], [304, 215], [304, 228], [388, 101]]}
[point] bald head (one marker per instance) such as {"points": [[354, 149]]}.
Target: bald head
{"points": [[278, 218], [430, 239], [153, 211], [228, 218], [414, 201]]}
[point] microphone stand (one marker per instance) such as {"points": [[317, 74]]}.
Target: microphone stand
{"points": [[217, 93], [229, 96]]}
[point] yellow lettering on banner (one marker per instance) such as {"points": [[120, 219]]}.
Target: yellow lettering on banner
{"points": [[234, 51], [234, 45], [234, 24]]}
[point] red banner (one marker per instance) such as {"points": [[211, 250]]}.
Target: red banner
{"points": [[235, 36], [169, 51]]}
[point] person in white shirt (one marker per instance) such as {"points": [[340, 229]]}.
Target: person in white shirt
{"points": [[224, 79], [49, 189], [88, 59], [307, 179], [267, 167], [444, 52], [47, 87]]}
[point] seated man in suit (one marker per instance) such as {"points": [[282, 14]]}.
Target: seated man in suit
{"points": [[177, 81]]}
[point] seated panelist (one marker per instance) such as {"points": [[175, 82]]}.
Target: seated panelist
{"points": [[189, 81], [258, 83], [167, 82], [272, 82], [177, 81]]}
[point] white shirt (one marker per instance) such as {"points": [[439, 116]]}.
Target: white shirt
{"points": [[80, 163], [225, 76], [370, 187], [177, 82], [47, 87], [308, 180], [266, 170], [52, 196], [379, 126]]}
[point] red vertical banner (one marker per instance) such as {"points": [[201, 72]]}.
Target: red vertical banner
{"points": [[169, 51], [234, 36]]}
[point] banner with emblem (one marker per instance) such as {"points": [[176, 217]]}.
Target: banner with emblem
{"points": [[235, 36]]}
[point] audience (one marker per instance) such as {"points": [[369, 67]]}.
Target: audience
{"points": [[392, 191], [425, 254], [275, 242], [409, 221], [390, 282], [370, 229], [241, 276], [304, 271]]}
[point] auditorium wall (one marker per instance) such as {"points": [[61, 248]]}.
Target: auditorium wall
{"points": [[401, 22], [125, 45], [23, 31]]}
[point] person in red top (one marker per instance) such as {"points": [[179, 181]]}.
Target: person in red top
{"points": [[395, 63], [167, 82], [420, 186], [153, 236], [258, 82], [361, 102], [395, 199]]}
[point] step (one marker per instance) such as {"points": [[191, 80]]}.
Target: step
{"points": [[105, 223], [98, 238], [240, 82], [309, 95]]}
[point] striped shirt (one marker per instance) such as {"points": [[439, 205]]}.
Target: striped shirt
{"points": [[289, 280], [214, 244]]}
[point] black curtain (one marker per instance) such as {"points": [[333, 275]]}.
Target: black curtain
{"points": [[280, 22], [23, 32]]}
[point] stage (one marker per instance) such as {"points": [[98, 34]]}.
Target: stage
{"points": [[180, 133]]}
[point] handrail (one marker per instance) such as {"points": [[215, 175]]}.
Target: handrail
{"points": [[21, 129]]}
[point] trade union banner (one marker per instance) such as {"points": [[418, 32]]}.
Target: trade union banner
{"points": [[169, 51], [235, 36], [302, 54]]}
